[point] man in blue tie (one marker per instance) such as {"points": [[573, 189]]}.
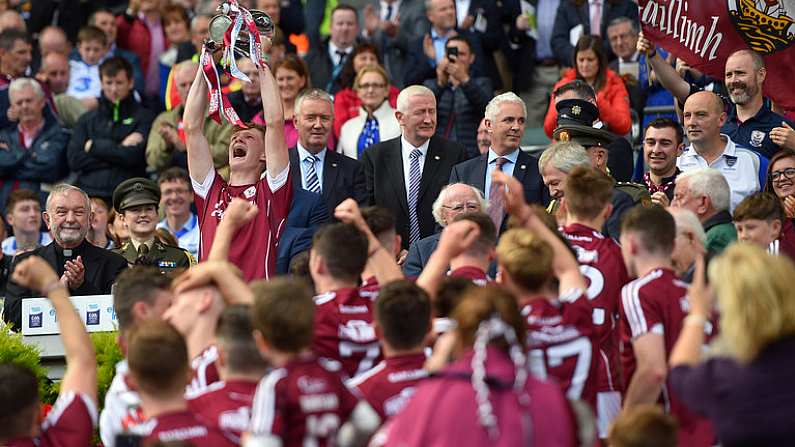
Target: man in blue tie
{"points": [[325, 61]]}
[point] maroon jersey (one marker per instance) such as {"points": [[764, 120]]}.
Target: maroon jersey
{"points": [[226, 406], [785, 244], [657, 303], [388, 386], [302, 403], [205, 370], [370, 288], [344, 330], [253, 249], [70, 423], [562, 343], [476, 275], [181, 426], [602, 264]]}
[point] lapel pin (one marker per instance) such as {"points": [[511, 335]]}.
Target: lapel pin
{"points": [[522, 167], [334, 165], [436, 157]]}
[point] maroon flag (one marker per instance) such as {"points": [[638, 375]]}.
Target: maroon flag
{"points": [[705, 32]]}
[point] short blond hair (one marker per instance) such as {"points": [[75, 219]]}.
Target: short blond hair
{"points": [[408, 93], [526, 258]]}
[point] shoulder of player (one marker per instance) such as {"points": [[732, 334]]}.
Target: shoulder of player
{"points": [[324, 298], [368, 376], [647, 286], [207, 392]]}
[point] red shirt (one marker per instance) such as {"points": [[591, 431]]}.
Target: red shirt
{"points": [[181, 426], [370, 288], [70, 423], [226, 406], [344, 330], [657, 303], [476, 275], [205, 370], [302, 403], [602, 264], [562, 344], [785, 244], [253, 248], [388, 386]]}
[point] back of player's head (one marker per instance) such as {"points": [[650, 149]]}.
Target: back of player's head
{"points": [[19, 394], [450, 292], [343, 248], [480, 304], [643, 426], [587, 191], [381, 222], [137, 285], [403, 312], [526, 258], [284, 314], [158, 358], [654, 227], [761, 206], [234, 333], [487, 239]]}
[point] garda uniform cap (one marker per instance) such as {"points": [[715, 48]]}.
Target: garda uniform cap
{"points": [[136, 191], [576, 111]]}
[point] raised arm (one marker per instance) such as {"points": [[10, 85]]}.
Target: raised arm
{"points": [[275, 145], [666, 74], [200, 160], [456, 238], [379, 261]]}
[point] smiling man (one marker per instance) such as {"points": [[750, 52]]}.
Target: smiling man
{"points": [[23, 213], [662, 145], [176, 195]]}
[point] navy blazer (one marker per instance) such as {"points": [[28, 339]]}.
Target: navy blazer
{"points": [[570, 15], [307, 213], [419, 253], [343, 177]]}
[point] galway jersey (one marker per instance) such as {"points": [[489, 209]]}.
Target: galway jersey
{"points": [[180, 426], [226, 406], [70, 422], [472, 273], [205, 370], [388, 386]]}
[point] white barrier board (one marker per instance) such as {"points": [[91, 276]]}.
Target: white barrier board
{"points": [[96, 311]]}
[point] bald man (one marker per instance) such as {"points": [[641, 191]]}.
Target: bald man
{"points": [[704, 115], [166, 145], [54, 72], [53, 39], [11, 19]]}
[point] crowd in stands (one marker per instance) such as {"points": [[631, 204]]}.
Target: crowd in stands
{"points": [[375, 257]]}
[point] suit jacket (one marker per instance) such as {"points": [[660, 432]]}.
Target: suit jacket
{"points": [[622, 202], [307, 212], [321, 68], [343, 177], [570, 15], [101, 269], [419, 253], [383, 170], [413, 25]]}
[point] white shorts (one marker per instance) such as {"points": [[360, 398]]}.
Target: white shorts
{"points": [[608, 405]]}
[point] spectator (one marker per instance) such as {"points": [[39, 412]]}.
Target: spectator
{"points": [[83, 268], [461, 98], [580, 17], [99, 233], [23, 214], [274, 10], [288, 16], [73, 422], [325, 61], [315, 168], [84, 82], [55, 74], [293, 79], [706, 194], [781, 179], [11, 19], [140, 30], [199, 31], [166, 148], [117, 229], [176, 27], [176, 196], [744, 169], [759, 219], [405, 175], [758, 334], [690, 242], [392, 26], [52, 39], [483, 138], [663, 142], [505, 121], [108, 144], [16, 53], [106, 21], [376, 121], [644, 426], [33, 153], [246, 101], [612, 99], [652, 317], [347, 103]]}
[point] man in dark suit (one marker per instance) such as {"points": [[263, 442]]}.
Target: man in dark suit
{"points": [[83, 268], [315, 168], [406, 174], [575, 13], [307, 213], [505, 121], [325, 61], [392, 26]]}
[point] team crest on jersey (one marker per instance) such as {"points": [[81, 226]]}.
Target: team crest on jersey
{"points": [[250, 191], [765, 25], [757, 137]]}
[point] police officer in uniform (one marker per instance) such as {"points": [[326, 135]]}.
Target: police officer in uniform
{"points": [[136, 200]]}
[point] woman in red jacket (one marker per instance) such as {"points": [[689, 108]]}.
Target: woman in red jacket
{"points": [[612, 97]]}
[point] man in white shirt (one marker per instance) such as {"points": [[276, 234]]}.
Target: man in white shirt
{"points": [[23, 213], [176, 195]]}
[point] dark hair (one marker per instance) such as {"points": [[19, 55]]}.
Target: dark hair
{"points": [[482, 303], [403, 311], [174, 173], [381, 222], [664, 123], [165, 236], [759, 205], [461, 38], [92, 19], [654, 226], [594, 43], [91, 33], [624, 19], [587, 191], [296, 64], [299, 269], [234, 332], [488, 232], [19, 393], [175, 12], [284, 313], [20, 195], [158, 357], [579, 87], [450, 292], [9, 37], [781, 154], [344, 250], [134, 285], [114, 65], [344, 7], [348, 74]]}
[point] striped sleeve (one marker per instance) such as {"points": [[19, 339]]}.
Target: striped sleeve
{"points": [[265, 418], [633, 309]]}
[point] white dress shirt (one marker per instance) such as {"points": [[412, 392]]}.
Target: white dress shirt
{"points": [[332, 52], [321, 157], [405, 150]]}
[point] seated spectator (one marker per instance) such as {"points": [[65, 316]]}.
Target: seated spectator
{"points": [[33, 152], [293, 80], [84, 83], [16, 53], [165, 146], [117, 229], [643, 426], [347, 101], [612, 99], [176, 197], [99, 233], [705, 192], [72, 422], [23, 214], [759, 219], [177, 30], [246, 101], [376, 121], [663, 142], [461, 97], [55, 73], [105, 20], [781, 180], [690, 242], [108, 144], [325, 61], [140, 30], [743, 168]]}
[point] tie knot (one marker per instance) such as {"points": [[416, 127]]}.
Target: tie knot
{"points": [[310, 159], [415, 154], [143, 250], [500, 161]]}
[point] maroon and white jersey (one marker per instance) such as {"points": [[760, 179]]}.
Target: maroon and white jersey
{"points": [[70, 423], [388, 386], [303, 403], [205, 370], [181, 426], [226, 406], [370, 288], [602, 264], [657, 303], [472, 273], [344, 330], [253, 249], [785, 244], [562, 343]]}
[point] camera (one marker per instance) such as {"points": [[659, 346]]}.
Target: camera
{"points": [[451, 53]]}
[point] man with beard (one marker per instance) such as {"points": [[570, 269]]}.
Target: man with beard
{"points": [[662, 145], [82, 267], [750, 121]]}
